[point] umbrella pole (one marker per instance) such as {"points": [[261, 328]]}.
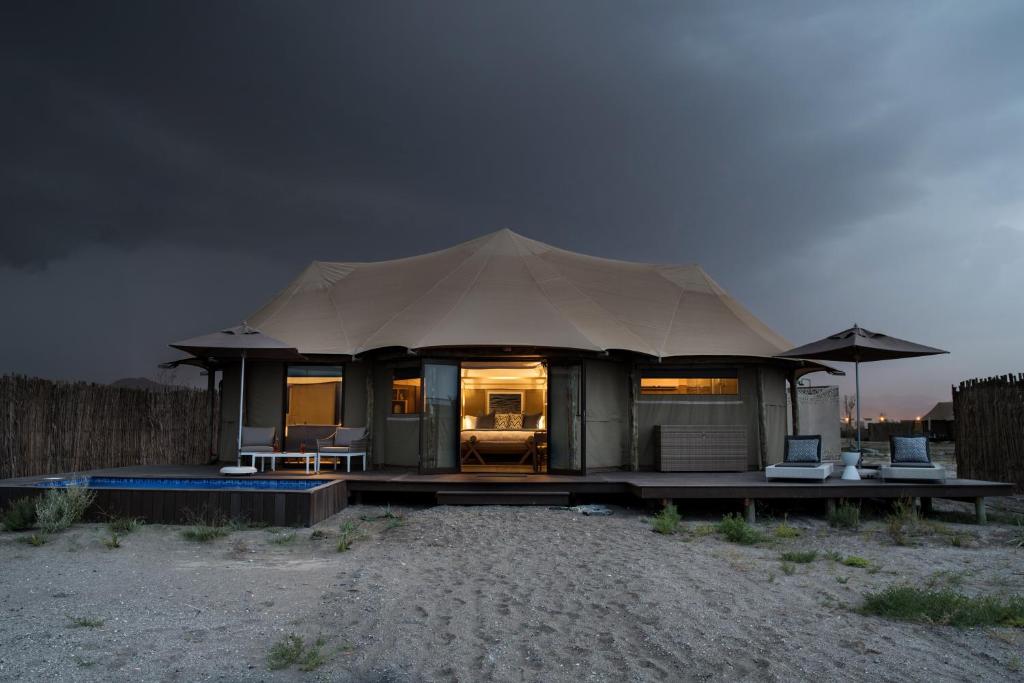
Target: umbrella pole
{"points": [[241, 403], [856, 374]]}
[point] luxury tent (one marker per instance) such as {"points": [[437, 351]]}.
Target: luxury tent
{"points": [[507, 354]]}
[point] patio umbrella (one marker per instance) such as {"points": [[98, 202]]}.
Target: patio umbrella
{"points": [[857, 345], [241, 341]]}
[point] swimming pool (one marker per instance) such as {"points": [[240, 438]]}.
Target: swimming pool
{"points": [[153, 483]]}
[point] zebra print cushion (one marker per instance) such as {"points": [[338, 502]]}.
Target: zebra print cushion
{"points": [[508, 420]]}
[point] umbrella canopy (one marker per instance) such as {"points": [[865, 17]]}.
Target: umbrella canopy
{"points": [[233, 342], [242, 342], [857, 345]]}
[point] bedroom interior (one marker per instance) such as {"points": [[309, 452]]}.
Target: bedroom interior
{"points": [[503, 416]]}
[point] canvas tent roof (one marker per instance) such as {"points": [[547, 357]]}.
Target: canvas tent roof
{"points": [[943, 410], [504, 289]]}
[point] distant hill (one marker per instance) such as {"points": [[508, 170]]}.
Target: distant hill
{"points": [[140, 383]]}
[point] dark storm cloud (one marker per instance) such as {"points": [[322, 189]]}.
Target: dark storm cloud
{"points": [[771, 141]]}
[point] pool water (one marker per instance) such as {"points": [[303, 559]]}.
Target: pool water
{"points": [[194, 484]]}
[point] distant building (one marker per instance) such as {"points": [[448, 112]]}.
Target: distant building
{"points": [[938, 422]]}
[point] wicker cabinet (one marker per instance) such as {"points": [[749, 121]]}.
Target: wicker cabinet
{"points": [[701, 448]]}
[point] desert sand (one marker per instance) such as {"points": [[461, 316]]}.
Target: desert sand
{"points": [[498, 593]]}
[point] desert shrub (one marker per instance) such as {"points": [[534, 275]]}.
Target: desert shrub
{"points": [[206, 527], [1017, 539], [736, 529], [833, 556], [60, 507], [788, 568], [318, 535], [784, 530], [113, 542], [124, 525], [19, 515], [844, 516], [85, 622], [947, 606], [283, 539], [666, 521], [896, 523], [34, 540], [859, 562], [350, 533], [293, 650], [800, 556]]}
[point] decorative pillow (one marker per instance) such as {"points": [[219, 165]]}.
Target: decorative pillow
{"points": [[802, 450], [508, 420], [909, 449], [485, 421], [532, 421]]}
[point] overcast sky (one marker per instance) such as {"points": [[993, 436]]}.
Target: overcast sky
{"points": [[167, 167]]}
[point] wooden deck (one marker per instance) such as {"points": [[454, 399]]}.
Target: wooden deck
{"points": [[746, 486]]}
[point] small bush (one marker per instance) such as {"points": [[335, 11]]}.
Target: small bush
{"points": [[788, 568], [833, 556], [85, 622], [113, 542], [393, 523], [947, 606], [666, 521], [736, 529], [19, 515], [283, 539], [318, 535], [124, 525], [34, 539], [207, 527], [842, 579], [349, 534], [800, 557], [293, 650], [784, 530], [1017, 540], [896, 523], [204, 533], [859, 562], [844, 516], [60, 507]]}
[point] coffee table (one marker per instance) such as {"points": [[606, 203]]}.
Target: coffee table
{"points": [[263, 455]]}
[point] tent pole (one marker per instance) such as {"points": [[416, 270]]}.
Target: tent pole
{"points": [[856, 374], [241, 403]]}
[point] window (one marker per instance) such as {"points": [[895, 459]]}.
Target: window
{"points": [[314, 395], [689, 386], [405, 391]]}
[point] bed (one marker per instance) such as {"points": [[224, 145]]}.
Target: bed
{"points": [[480, 443]]}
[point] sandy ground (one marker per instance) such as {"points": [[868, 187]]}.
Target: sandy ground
{"points": [[497, 593]]}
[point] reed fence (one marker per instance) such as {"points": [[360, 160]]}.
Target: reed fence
{"points": [[51, 427], [989, 426]]}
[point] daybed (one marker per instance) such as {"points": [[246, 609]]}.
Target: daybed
{"points": [[801, 460], [910, 460]]}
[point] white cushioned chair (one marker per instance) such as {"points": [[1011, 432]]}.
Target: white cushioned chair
{"points": [[345, 442], [911, 460], [801, 460], [256, 440]]}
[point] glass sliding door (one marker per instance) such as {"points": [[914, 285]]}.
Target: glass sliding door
{"points": [[565, 408], [439, 421]]}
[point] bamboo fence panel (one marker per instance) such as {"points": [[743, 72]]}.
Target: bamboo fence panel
{"points": [[989, 426], [49, 427]]}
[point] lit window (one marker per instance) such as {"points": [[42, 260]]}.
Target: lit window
{"points": [[689, 386], [405, 391], [314, 394]]}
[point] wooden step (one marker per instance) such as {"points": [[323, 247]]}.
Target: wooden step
{"points": [[502, 497]]}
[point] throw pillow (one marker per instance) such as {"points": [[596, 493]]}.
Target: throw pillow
{"points": [[802, 450]]}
